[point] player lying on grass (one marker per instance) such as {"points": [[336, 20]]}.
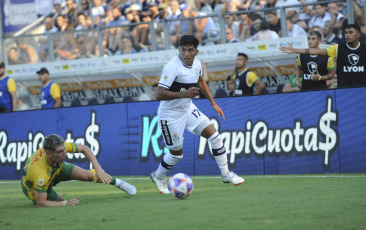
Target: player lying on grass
{"points": [[46, 167]]}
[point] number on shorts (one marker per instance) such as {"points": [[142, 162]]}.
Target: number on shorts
{"points": [[196, 113]]}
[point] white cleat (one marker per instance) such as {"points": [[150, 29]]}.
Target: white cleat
{"points": [[231, 177], [126, 187], [160, 184]]}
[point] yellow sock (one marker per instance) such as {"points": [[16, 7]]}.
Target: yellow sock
{"points": [[113, 179]]}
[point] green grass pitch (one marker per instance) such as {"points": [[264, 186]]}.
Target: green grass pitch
{"points": [[336, 201]]}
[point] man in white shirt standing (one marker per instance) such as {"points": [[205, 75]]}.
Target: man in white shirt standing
{"points": [[177, 85]]}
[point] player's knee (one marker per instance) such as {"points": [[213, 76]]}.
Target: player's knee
{"points": [[176, 149]]}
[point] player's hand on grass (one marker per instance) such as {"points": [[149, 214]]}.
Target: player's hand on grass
{"points": [[103, 176], [73, 202], [192, 92], [219, 111], [288, 49]]}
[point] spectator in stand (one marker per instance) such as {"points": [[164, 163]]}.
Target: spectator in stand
{"points": [[27, 54], [321, 16], [83, 38], [60, 23], [13, 58], [85, 8], [244, 26], [305, 14], [330, 35], [128, 47], [173, 13], [294, 30], [264, 33], [112, 38], [231, 23], [140, 32], [58, 12], [8, 89], [274, 22], [71, 12], [162, 13], [229, 34], [291, 12], [336, 21], [256, 19], [99, 11], [50, 91], [204, 27], [184, 27]]}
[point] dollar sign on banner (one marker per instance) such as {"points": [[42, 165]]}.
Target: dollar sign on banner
{"points": [[91, 130], [330, 139]]}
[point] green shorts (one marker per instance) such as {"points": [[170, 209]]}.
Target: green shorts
{"points": [[64, 175]]}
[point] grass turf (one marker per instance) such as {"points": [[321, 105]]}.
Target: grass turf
{"points": [[263, 202]]}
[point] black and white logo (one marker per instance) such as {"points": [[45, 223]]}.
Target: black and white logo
{"points": [[312, 67], [353, 59]]}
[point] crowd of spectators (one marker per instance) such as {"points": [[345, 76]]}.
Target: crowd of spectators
{"points": [[123, 32]]}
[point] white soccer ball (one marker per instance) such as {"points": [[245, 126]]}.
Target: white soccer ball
{"points": [[180, 185]]}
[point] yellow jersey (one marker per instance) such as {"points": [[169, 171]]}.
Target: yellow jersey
{"points": [[38, 174]]}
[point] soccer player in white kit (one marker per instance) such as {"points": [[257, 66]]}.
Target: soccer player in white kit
{"points": [[178, 84]]}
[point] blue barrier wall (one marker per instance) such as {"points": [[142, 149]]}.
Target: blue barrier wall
{"points": [[295, 133]]}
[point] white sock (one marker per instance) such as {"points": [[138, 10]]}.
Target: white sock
{"points": [[118, 182], [166, 165], [222, 163]]}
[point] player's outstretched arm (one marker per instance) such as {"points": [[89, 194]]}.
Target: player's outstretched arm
{"points": [[313, 51], [206, 91], [41, 198], [105, 178], [164, 94]]}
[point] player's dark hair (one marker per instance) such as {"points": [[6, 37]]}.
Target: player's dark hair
{"points": [[355, 26], [51, 142], [315, 33], [244, 55], [189, 40]]}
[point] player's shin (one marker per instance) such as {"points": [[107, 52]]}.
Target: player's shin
{"points": [[219, 152], [166, 164], [113, 179]]}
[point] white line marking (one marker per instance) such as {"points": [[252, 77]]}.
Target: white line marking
{"points": [[250, 176]]}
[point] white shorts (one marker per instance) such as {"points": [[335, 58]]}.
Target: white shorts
{"points": [[173, 129]]}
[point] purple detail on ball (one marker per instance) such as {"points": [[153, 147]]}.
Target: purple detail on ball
{"points": [[178, 194], [169, 187], [189, 187], [177, 181]]}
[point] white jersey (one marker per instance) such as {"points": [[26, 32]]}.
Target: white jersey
{"points": [[178, 77]]}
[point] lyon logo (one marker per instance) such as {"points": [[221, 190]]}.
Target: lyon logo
{"points": [[353, 59], [312, 67]]}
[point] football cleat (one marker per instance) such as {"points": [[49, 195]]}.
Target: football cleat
{"points": [[160, 184], [231, 177], [126, 187]]}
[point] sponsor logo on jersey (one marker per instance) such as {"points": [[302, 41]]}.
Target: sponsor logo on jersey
{"points": [[312, 67], [353, 59], [166, 78]]}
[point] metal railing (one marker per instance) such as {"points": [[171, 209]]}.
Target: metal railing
{"points": [[47, 46]]}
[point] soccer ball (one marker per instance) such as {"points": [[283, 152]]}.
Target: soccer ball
{"points": [[180, 185]]}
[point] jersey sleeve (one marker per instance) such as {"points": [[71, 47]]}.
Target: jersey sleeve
{"points": [[330, 65], [298, 61], [252, 78], [168, 76], [11, 85], [55, 91], [332, 51], [71, 147]]}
